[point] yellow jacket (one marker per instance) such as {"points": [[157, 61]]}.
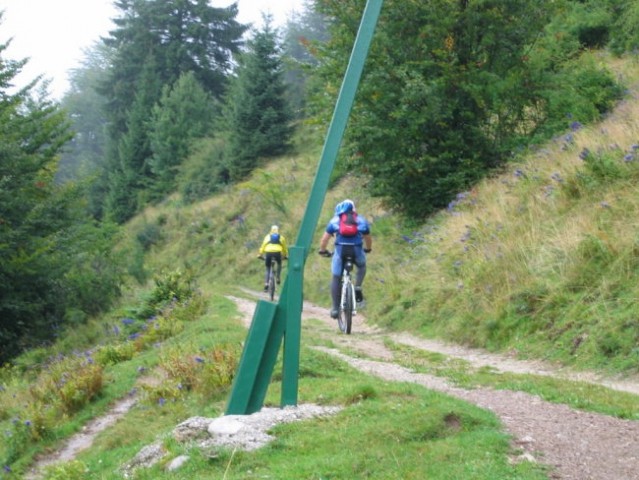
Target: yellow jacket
{"points": [[268, 247]]}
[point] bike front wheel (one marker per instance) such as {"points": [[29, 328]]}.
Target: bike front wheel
{"points": [[271, 285], [345, 317]]}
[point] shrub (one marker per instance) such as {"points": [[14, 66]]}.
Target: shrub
{"points": [[174, 286], [207, 372], [604, 166], [159, 328], [150, 234], [73, 470], [69, 383], [63, 387], [204, 172], [625, 35], [114, 354]]}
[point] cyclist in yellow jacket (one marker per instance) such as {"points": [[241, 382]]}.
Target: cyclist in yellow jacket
{"points": [[273, 249]]}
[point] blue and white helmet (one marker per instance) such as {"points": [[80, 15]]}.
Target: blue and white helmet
{"points": [[345, 206]]}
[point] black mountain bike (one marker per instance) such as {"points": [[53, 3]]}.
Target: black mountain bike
{"points": [[347, 303], [271, 278]]}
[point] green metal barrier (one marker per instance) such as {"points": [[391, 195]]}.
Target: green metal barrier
{"points": [[273, 323]]}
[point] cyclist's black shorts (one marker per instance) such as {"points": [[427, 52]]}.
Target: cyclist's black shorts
{"points": [[348, 251], [270, 256]]}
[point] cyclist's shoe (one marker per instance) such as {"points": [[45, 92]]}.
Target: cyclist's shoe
{"points": [[278, 280], [359, 298], [334, 313], [266, 287]]}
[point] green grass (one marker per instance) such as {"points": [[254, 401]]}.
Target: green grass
{"points": [[385, 431], [579, 395], [542, 265]]}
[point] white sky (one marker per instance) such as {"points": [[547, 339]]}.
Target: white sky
{"points": [[54, 33]]}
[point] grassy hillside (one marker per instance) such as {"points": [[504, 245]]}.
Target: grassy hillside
{"points": [[540, 260]]}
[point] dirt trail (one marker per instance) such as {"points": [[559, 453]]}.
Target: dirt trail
{"points": [[575, 445], [83, 439]]}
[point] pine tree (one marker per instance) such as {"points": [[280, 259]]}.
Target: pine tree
{"points": [[304, 32], [46, 240], [155, 42], [259, 119], [185, 114]]}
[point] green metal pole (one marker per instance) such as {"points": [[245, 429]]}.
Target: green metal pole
{"points": [[338, 123], [291, 302], [273, 322]]}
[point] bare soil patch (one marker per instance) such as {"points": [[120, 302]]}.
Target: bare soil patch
{"points": [[573, 444]]}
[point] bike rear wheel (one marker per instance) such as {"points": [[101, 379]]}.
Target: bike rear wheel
{"points": [[345, 317]]}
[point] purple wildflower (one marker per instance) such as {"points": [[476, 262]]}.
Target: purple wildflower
{"points": [[7, 468], [574, 126], [519, 173], [161, 401], [133, 336], [629, 157], [548, 190], [584, 154], [199, 359], [127, 321]]}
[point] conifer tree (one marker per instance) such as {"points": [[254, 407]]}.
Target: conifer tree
{"points": [[184, 114], [259, 118], [155, 42], [304, 33], [47, 243]]}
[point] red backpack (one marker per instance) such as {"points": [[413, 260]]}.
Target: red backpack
{"points": [[348, 224]]}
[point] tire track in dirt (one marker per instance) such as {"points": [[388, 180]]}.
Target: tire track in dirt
{"points": [[575, 445]]}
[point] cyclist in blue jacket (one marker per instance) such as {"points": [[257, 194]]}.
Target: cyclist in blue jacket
{"points": [[352, 233]]}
